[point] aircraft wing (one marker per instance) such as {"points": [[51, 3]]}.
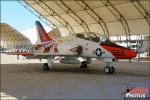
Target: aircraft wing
{"points": [[31, 55], [19, 53]]}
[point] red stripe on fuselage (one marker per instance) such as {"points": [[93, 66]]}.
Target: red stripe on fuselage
{"points": [[120, 53]]}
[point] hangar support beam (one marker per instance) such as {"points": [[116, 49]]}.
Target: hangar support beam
{"points": [[141, 10], [70, 15], [99, 20], [66, 25], [82, 22], [36, 13], [119, 17]]}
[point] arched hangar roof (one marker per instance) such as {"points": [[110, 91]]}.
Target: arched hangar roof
{"points": [[109, 17], [11, 38]]}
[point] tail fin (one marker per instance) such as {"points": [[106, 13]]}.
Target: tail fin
{"points": [[42, 34]]}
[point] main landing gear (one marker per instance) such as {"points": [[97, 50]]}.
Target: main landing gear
{"points": [[109, 69], [47, 65], [85, 63]]}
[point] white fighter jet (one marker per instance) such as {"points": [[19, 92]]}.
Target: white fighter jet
{"points": [[68, 48]]}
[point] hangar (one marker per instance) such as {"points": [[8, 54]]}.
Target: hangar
{"points": [[101, 16], [109, 18], [11, 38]]}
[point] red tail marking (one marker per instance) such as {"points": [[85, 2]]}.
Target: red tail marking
{"points": [[44, 37], [42, 33]]}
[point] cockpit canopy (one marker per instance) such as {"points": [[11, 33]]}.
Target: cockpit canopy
{"points": [[91, 36]]}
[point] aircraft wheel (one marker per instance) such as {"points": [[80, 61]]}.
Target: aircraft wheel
{"points": [[112, 70], [107, 70], [45, 67], [83, 64]]}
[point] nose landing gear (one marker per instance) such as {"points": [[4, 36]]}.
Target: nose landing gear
{"points": [[109, 69]]}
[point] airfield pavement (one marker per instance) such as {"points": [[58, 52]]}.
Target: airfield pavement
{"points": [[64, 81]]}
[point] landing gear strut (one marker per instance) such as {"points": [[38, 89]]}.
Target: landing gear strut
{"points": [[47, 65], [109, 69]]}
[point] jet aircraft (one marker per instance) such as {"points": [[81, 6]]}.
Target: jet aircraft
{"points": [[67, 49]]}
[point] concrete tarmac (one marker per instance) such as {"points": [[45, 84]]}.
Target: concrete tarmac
{"points": [[64, 81]]}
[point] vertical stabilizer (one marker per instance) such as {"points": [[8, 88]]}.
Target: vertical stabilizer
{"points": [[41, 33]]}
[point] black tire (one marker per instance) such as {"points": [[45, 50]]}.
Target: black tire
{"points": [[45, 67], [83, 64], [107, 70], [112, 70]]}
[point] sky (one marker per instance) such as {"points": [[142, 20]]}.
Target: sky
{"points": [[17, 16]]}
